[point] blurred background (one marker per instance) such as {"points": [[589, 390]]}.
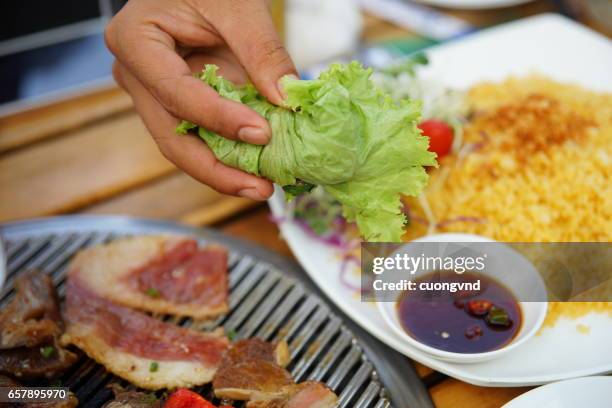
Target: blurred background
{"points": [[70, 141], [50, 49]]}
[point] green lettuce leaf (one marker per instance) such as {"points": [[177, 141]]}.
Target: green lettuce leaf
{"points": [[340, 132]]}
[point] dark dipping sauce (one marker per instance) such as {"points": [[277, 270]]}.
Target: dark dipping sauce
{"points": [[463, 321]]}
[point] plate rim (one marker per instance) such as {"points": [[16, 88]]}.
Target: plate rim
{"points": [[525, 397]]}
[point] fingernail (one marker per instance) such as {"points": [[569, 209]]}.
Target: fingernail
{"points": [[253, 135], [251, 193], [280, 87]]}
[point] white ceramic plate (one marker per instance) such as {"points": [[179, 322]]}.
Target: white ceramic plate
{"points": [[473, 4], [548, 44], [592, 392]]}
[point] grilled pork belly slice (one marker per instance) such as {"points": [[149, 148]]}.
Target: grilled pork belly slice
{"points": [[242, 381], [158, 274], [257, 349], [29, 327], [141, 349], [132, 399], [252, 366], [47, 360], [33, 316], [253, 370], [309, 394]]}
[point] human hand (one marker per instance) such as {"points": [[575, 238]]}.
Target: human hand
{"points": [[159, 43]]}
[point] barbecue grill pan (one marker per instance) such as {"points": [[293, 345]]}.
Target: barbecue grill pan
{"points": [[270, 297]]}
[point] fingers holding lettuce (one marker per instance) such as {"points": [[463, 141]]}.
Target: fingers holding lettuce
{"points": [[338, 132], [155, 41]]}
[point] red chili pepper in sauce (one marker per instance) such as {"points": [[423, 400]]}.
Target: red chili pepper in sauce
{"points": [[473, 332], [479, 307]]}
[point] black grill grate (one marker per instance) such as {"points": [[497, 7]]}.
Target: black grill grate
{"points": [[263, 303]]}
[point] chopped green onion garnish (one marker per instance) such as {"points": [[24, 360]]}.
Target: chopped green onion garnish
{"points": [[153, 366], [498, 317], [152, 292], [231, 335], [47, 351]]}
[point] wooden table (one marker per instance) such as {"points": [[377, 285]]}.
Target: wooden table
{"points": [[93, 155]]}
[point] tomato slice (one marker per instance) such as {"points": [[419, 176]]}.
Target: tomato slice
{"points": [[440, 136], [184, 398], [473, 332]]}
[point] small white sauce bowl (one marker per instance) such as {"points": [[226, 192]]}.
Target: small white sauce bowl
{"points": [[532, 313]]}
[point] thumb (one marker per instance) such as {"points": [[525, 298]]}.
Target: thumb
{"points": [[252, 37]]}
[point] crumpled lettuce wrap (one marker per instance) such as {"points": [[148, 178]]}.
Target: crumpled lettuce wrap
{"points": [[339, 132]]}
